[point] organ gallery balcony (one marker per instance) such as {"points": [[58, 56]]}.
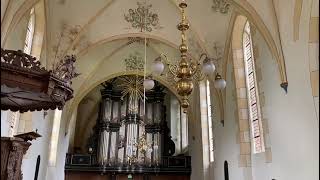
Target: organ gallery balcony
{"points": [[174, 165]]}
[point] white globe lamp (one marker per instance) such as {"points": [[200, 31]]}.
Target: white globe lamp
{"points": [[208, 67], [148, 84], [157, 66], [219, 83]]}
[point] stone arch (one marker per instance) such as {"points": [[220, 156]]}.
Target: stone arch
{"points": [[241, 95], [77, 99], [80, 95], [244, 9], [82, 52], [241, 90], [123, 36]]}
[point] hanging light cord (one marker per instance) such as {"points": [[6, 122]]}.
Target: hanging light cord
{"points": [[145, 70]]}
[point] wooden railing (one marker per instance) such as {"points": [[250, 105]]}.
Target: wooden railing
{"points": [[88, 163]]}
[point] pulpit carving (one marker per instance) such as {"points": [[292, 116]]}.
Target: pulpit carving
{"points": [[12, 151]]}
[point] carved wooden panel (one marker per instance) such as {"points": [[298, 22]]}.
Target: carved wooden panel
{"points": [[12, 151], [27, 86]]}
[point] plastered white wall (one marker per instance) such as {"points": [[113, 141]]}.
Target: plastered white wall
{"points": [[56, 172], [40, 146], [195, 141], [226, 146], [4, 123], [293, 128]]}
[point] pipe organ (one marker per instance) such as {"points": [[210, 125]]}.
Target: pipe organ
{"points": [[124, 122], [131, 137]]}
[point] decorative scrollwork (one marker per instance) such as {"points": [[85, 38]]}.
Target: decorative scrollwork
{"points": [[20, 59], [142, 18], [198, 75], [65, 69], [134, 62], [173, 68], [138, 40], [58, 95], [171, 74], [221, 6]]}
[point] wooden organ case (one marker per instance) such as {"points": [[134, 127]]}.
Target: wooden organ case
{"points": [[121, 125], [113, 147]]}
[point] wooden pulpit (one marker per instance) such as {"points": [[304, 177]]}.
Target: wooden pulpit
{"points": [[12, 151]]}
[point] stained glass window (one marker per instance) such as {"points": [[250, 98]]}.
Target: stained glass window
{"points": [[252, 92], [206, 123]]}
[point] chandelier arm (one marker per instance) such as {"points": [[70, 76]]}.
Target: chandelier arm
{"points": [[200, 59], [194, 68], [165, 59], [215, 61], [199, 76], [173, 70]]}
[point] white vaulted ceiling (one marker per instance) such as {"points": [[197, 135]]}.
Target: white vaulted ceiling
{"points": [[98, 34], [101, 31], [102, 19], [99, 27]]}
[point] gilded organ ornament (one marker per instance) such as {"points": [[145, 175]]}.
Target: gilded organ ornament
{"points": [[132, 86], [142, 18]]}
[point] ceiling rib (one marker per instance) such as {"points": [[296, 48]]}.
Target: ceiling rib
{"points": [[85, 26]]}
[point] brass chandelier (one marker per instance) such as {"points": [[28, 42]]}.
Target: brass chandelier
{"points": [[187, 69]]}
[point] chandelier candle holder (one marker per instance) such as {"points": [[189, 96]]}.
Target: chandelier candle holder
{"points": [[187, 70]]}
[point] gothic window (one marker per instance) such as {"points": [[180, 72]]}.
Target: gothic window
{"points": [[30, 32], [206, 122], [54, 137], [252, 92], [210, 128]]}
